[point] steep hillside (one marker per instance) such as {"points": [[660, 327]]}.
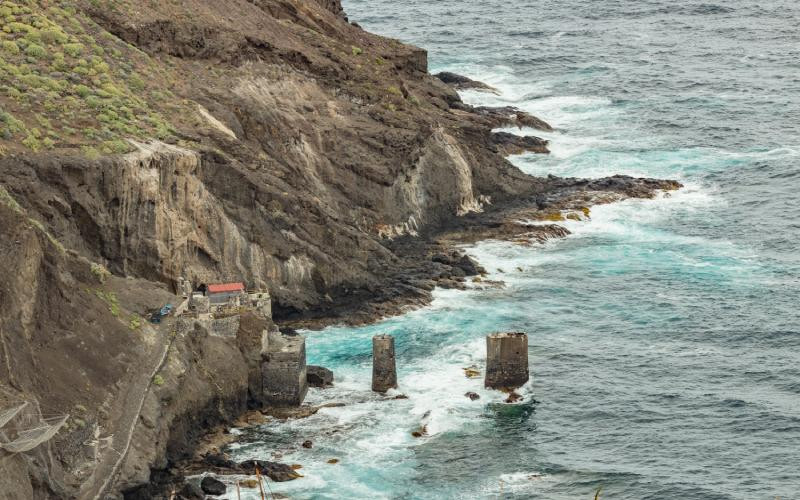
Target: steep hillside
{"points": [[299, 142], [265, 141]]}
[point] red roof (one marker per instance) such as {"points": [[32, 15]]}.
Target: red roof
{"points": [[226, 287]]}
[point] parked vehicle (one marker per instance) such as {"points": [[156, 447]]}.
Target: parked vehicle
{"points": [[156, 316]]}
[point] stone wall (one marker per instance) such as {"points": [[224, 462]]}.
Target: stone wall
{"points": [[222, 327]]}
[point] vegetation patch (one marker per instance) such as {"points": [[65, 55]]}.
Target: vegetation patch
{"points": [[110, 298], [135, 322], [100, 272], [9, 201], [61, 73]]}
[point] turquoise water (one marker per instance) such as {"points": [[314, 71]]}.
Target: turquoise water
{"points": [[663, 334]]}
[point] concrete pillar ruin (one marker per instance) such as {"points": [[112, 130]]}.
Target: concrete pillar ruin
{"points": [[506, 360], [384, 371], [283, 370]]}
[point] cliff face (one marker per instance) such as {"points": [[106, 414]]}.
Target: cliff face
{"points": [[75, 342], [310, 143]]}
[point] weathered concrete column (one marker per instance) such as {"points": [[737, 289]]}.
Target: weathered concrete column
{"points": [[506, 360], [384, 371], [283, 370]]}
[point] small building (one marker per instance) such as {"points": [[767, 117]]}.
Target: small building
{"points": [[261, 302], [225, 294]]}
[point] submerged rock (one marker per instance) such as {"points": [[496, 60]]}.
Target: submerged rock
{"points": [[472, 395], [319, 376], [212, 486], [472, 372], [513, 397], [307, 444], [421, 432]]}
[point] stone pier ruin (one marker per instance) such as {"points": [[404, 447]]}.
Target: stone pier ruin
{"points": [[506, 361], [283, 370], [384, 371]]}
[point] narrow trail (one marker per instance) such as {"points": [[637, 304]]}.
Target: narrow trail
{"points": [[108, 466]]}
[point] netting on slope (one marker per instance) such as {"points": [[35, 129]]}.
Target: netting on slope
{"points": [[7, 415], [31, 438]]}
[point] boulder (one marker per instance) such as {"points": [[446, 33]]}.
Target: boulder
{"points": [[219, 460], [318, 376], [461, 264], [212, 486], [191, 491], [307, 444], [276, 471], [469, 266], [472, 395]]}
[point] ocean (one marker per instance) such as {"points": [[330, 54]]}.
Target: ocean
{"points": [[664, 334]]}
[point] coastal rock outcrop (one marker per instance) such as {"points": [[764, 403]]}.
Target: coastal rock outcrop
{"points": [[512, 144], [461, 82], [319, 376]]}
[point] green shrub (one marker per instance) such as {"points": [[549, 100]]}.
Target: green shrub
{"points": [[158, 380], [43, 121], [36, 51], [32, 142], [33, 36], [90, 152], [73, 49], [82, 90], [356, 50], [17, 27], [12, 92], [54, 36], [136, 82], [116, 146], [9, 123], [10, 47]]}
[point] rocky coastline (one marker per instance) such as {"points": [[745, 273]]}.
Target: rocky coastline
{"points": [[306, 157]]}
